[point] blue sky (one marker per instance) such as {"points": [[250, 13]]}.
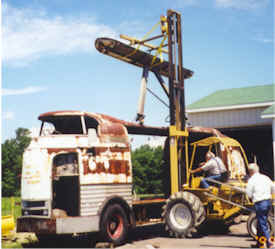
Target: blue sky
{"points": [[49, 61]]}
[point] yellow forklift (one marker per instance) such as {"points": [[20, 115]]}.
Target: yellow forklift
{"points": [[187, 206]]}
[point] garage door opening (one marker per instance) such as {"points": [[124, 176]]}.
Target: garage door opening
{"points": [[257, 143]]}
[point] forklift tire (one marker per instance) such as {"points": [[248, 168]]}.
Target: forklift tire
{"points": [[114, 225], [183, 214], [251, 225]]}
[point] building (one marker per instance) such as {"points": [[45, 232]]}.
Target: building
{"points": [[246, 114]]}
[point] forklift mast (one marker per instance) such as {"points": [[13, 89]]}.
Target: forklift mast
{"points": [[178, 133], [172, 69], [176, 79]]}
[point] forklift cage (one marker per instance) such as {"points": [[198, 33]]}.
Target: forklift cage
{"points": [[227, 142]]}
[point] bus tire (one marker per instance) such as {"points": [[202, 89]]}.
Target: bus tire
{"points": [[114, 225]]}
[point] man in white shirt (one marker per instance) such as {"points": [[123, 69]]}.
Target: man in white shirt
{"points": [[259, 188], [216, 168]]}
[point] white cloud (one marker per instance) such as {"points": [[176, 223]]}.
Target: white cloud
{"points": [[8, 115], [263, 37], [29, 34], [263, 40], [242, 4], [27, 90]]}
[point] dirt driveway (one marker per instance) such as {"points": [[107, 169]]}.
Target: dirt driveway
{"points": [[150, 237], [154, 237]]}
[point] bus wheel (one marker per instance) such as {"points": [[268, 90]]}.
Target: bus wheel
{"points": [[114, 224]]}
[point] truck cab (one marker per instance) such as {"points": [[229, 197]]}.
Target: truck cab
{"points": [[74, 169]]}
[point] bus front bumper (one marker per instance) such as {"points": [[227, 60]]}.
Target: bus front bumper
{"points": [[68, 225]]}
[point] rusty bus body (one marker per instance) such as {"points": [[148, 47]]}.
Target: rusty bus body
{"points": [[78, 166]]}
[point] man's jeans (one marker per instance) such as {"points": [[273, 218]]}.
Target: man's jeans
{"points": [[262, 208], [205, 184]]}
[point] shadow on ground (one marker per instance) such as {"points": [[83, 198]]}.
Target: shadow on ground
{"points": [[137, 234]]}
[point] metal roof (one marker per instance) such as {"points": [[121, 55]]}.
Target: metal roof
{"points": [[269, 112], [247, 96]]}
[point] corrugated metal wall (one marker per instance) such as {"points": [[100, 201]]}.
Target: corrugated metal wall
{"points": [[229, 118], [92, 196]]}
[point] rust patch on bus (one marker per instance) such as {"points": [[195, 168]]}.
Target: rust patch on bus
{"points": [[118, 149], [119, 167], [56, 150], [85, 166], [115, 167]]}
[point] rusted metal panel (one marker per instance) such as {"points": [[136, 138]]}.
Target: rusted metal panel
{"points": [[206, 130], [93, 196], [109, 129], [107, 165], [109, 125], [115, 167], [45, 115], [61, 150], [35, 225], [107, 118], [112, 132], [142, 202], [114, 129], [68, 225]]}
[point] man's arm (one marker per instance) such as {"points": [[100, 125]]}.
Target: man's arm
{"points": [[192, 171], [203, 166]]}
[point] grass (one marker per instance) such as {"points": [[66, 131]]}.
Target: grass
{"points": [[11, 206]]}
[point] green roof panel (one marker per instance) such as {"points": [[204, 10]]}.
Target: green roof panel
{"points": [[269, 111], [236, 96]]}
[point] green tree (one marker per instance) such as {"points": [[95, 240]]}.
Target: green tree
{"points": [[147, 170], [12, 154]]}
